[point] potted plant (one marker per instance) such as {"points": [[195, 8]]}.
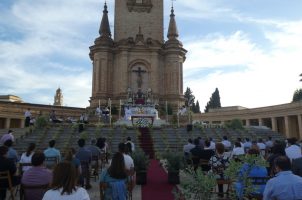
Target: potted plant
{"points": [[195, 185], [141, 163], [174, 163]]}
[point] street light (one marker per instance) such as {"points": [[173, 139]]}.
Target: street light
{"points": [[301, 76]]}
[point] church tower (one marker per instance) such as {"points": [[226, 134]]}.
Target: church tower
{"points": [[137, 58], [58, 98]]}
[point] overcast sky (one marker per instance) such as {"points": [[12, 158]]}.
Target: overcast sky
{"points": [[251, 50]]}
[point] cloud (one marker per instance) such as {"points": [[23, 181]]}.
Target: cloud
{"points": [[269, 75], [50, 50]]}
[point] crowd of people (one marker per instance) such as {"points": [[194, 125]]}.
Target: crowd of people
{"points": [[67, 176], [281, 177]]}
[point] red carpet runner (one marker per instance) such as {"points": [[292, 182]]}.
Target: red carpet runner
{"points": [[146, 142], [157, 186]]}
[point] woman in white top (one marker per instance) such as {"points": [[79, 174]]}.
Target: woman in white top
{"points": [[63, 186], [26, 156]]}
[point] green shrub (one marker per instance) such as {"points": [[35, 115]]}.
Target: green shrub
{"points": [[42, 122]]}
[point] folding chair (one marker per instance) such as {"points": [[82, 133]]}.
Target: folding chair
{"points": [[51, 161], [95, 167], [223, 182], [5, 176], [85, 174], [28, 189], [21, 165], [257, 181], [103, 186], [204, 164]]}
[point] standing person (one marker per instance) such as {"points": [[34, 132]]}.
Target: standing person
{"points": [[27, 156], [7, 136], [64, 184], [285, 185], [27, 115]]}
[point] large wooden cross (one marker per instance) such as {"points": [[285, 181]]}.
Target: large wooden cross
{"points": [[139, 72]]}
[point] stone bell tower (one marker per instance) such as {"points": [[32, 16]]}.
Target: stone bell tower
{"points": [[58, 98], [137, 58]]}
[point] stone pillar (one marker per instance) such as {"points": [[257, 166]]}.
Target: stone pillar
{"points": [[274, 124], [22, 123], [286, 121], [7, 123], [300, 126], [260, 122], [247, 122]]}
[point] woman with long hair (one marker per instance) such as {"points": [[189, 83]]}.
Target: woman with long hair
{"points": [[64, 184], [26, 156], [115, 178], [70, 157]]}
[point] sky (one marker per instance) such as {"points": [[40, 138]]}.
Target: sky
{"points": [[249, 49]]}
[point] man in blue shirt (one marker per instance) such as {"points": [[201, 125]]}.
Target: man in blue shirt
{"points": [[51, 151], [285, 185]]}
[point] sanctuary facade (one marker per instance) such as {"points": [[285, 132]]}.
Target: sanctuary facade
{"points": [[137, 59]]}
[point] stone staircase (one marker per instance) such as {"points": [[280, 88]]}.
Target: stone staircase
{"points": [[154, 141]]}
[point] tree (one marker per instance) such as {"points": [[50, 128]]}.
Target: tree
{"points": [[196, 108], [297, 95], [189, 97], [214, 101]]}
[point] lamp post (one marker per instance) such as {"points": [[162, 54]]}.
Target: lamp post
{"points": [[109, 102], [178, 113], [167, 111]]}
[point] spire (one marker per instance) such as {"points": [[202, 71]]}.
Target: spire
{"points": [[105, 28], [172, 31]]}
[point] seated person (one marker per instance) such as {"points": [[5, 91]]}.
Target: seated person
{"points": [[7, 165], [115, 178], [250, 171], [219, 162], [37, 175], [64, 184], [285, 185], [238, 151], [196, 153], [205, 155], [70, 157], [26, 156], [51, 151], [129, 164], [85, 156], [12, 153]]}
